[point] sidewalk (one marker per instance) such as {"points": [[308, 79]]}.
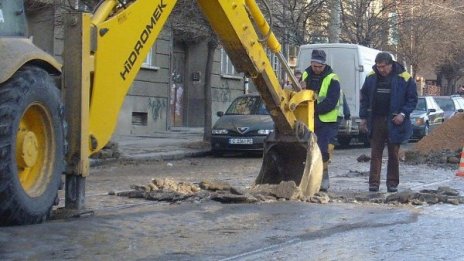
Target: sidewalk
{"points": [[176, 143]]}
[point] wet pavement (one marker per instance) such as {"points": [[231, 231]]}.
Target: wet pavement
{"points": [[432, 233], [120, 228], [207, 231]]}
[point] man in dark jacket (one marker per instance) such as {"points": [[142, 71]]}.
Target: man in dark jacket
{"points": [[320, 78], [388, 96]]}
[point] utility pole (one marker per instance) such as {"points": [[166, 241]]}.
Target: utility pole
{"points": [[335, 25]]}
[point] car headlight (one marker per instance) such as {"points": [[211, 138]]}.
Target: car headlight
{"points": [[264, 132], [420, 121], [219, 131]]}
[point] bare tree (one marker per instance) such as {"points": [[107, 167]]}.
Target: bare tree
{"points": [[430, 37], [335, 24], [417, 26], [295, 21], [365, 22], [189, 24]]}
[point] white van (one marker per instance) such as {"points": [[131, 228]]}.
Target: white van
{"points": [[352, 63]]}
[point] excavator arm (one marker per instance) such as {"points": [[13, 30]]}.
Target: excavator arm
{"points": [[290, 152], [102, 56], [119, 38]]}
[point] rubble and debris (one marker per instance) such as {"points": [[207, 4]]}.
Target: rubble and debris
{"points": [[363, 158], [320, 198], [215, 185], [444, 195], [429, 196], [442, 146], [110, 151], [233, 198], [161, 190], [173, 191], [355, 173], [171, 196]]}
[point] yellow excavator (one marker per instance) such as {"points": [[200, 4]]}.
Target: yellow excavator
{"points": [[53, 118]]}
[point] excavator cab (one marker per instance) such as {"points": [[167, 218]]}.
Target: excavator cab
{"points": [[12, 18]]}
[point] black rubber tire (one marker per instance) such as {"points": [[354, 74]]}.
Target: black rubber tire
{"points": [[29, 85]]}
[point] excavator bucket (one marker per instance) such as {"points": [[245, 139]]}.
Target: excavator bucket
{"points": [[288, 158]]}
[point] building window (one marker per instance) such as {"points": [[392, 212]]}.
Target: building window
{"points": [[139, 118], [227, 68], [150, 60]]}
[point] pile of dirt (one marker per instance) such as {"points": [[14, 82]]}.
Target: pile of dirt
{"points": [[442, 146], [448, 136]]}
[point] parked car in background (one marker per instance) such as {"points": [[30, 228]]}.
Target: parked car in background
{"points": [[450, 104], [425, 117], [243, 127]]}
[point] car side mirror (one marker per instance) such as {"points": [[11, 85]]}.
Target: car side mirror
{"points": [[432, 110], [220, 113]]}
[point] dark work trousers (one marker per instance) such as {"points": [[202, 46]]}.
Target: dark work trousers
{"points": [[325, 132], [379, 138]]}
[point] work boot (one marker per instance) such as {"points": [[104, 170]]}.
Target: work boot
{"points": [[325, 184]]}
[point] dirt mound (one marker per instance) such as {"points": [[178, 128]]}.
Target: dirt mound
{"points": [[448, 136]]}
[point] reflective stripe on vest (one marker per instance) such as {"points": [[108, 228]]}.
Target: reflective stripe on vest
{"points": [[332, 115], [341, 111]]}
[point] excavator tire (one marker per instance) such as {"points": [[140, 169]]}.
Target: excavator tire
{"points": [[31, 146]]}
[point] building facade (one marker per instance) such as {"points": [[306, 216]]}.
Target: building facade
{"points": [[169, 90]]}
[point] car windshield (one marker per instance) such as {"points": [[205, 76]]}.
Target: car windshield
{"points": [[446, 104], [247, 105], [421, 105]]}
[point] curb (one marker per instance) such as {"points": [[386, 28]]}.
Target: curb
{"points": [[176, 155]]}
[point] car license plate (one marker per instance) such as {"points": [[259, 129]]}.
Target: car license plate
{"points": [[240, 141]]}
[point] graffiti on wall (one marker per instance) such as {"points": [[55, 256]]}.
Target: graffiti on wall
{"points": [[222, 94], [157, 107]]}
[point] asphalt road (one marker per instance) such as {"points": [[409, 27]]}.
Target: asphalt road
{"points": [[120, 228]]}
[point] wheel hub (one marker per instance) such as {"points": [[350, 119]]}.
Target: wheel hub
{"points": [[34, 149], [29, 149]]}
